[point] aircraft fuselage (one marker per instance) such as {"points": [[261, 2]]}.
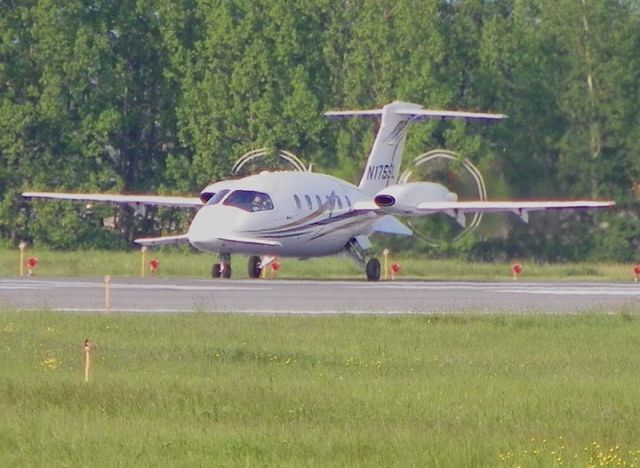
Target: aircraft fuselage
{"points": [[296, 215]]}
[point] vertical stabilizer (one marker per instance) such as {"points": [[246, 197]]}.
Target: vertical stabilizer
{"points": [[385, 159]]}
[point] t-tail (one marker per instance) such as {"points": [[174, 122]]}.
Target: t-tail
{"points": [[385, 159]]}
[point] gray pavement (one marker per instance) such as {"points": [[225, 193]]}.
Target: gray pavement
{"points": [[315, 297]]}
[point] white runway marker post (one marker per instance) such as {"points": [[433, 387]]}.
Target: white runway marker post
{"points": [[107, 295]]}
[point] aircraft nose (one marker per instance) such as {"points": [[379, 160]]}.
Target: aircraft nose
{"points": [[205, 228]]}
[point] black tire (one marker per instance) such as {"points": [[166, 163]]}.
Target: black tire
{"points": [[216, 271], [226, 271], [373, 270], [254, 267]]}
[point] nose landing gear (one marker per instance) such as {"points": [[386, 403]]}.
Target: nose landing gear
{"points": [[222, 269]]}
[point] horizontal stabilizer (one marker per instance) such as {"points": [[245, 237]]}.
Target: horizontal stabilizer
{"points": [[166, 240], [132, 200], [417, 114], [427, 114], [370, 114]]}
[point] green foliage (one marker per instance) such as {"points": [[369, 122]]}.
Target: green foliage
{"points": [[163, 96]]}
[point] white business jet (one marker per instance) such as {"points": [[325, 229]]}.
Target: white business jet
{"points": [[302, 214]]}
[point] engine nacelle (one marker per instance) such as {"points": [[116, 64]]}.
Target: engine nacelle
{"points": [[404, 198]]}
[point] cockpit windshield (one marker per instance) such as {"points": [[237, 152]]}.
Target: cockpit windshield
{"points": [[217, 197], [248, 200]]}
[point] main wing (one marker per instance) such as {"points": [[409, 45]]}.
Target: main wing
{"points": [[131, 200], [521, 208], [459, 209], [137, 202]]}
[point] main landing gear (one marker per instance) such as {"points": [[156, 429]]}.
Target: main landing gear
{"points": [[371, 267], [254, 267]]}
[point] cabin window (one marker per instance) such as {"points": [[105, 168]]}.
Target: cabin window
{"points": [[346, 198], [319, 201], [296, 198], [307, 198], [217, 197], [339, 202], [248, 200]]}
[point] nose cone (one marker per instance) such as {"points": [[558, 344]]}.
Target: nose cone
{"points": [[208, 225], [451, 197], [201, 231]]}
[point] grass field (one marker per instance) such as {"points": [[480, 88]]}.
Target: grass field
{"points": [[237, 390], [186, 263]]}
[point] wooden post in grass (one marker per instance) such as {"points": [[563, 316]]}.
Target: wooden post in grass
{"points": [[143, 251], [385, 252], [107, 295], [22, 245], [88, 347]]}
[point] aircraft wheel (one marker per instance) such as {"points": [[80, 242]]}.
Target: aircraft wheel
{"points": [[226, 271], [216, 270], [373, 270], [254, 267]]}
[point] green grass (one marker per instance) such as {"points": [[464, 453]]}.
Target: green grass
{"points": [[238, 390], [186, 263]]}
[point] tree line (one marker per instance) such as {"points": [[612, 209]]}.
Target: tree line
{"points": [[161, 96]]}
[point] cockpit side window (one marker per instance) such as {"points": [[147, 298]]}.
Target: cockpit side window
{"points": [[206, 196], [217, 197], [248, 200]]}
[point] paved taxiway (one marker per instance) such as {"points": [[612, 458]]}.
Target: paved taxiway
{"points": [[277, 296]]}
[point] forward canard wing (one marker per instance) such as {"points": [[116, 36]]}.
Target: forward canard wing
{"points": [[166, 240]]}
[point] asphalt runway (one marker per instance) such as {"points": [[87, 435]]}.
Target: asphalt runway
{"points": [[175, 295]]}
